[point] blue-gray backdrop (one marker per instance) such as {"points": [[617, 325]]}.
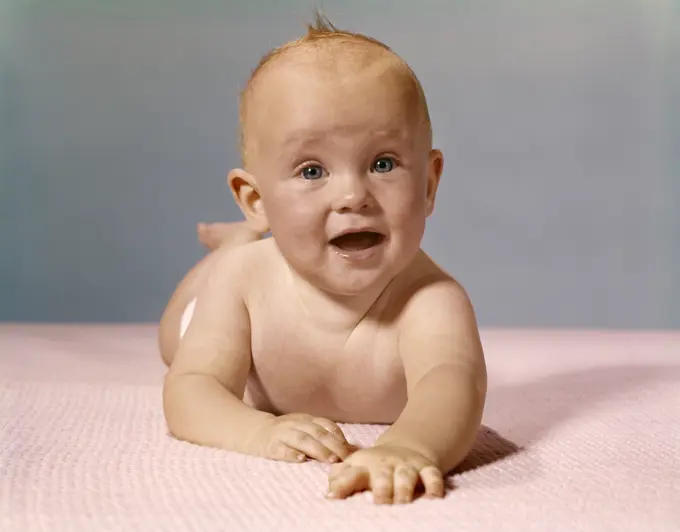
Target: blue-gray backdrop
{"points": [[560, 122]]}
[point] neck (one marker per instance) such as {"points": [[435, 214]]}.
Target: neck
{"points": [[337, 312]]}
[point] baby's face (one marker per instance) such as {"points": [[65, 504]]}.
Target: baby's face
{"points": [[335, 154]]}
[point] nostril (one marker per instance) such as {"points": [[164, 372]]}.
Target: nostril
{"points": [[354, 204]]}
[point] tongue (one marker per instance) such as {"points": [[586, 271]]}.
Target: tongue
{"points": [[356, 241]]}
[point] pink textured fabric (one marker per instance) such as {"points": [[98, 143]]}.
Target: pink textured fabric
{"points": [[581, 433]]}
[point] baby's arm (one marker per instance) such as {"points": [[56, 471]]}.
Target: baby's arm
{"points": [[446, 382], [204, 387], [446, 376], [206, 381]]}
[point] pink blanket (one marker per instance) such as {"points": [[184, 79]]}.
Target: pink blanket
{"points": [[582, 432]]}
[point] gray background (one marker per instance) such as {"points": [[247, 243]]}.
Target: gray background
{"points": [[559, 120]]}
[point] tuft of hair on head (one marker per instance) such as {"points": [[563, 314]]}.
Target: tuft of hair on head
{"points": [[321, 24], [321, 30], [324, 29]]}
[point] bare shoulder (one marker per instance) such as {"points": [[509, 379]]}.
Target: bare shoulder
{"points": [[243, 267], [436, 322], [427, 293], [217, 341]]}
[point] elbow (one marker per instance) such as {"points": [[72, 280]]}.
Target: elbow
{"points": [[172, 406]]}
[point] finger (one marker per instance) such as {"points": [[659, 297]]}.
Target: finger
{"points": [[348, 481], [281, 451], [433, 482], [382, 485], [405, 481], [332, 428], [332, 449], [338, 446], [337, 470], [310, 446]]}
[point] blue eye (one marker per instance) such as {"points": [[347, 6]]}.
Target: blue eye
{"points": [[383, 165], [312, 172]]}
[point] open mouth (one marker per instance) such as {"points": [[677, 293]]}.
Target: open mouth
{"points": [[358, 241]]}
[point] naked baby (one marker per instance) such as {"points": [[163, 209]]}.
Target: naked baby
{"points": [[339, 316]]}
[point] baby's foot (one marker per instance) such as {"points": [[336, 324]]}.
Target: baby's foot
{"points": [[215, 235]]}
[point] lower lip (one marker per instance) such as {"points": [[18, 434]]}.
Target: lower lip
{"points": [[359, 254]]}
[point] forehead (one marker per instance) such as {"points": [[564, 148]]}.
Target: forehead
{"points": [[356, 88]]}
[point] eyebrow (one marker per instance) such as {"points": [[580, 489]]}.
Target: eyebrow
{"points": [[302, 136], [305, 136]]}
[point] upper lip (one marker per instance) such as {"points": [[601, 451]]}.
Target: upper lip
{"points": [[362, 229]]}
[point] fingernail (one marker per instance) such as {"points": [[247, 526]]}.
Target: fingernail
{"points": [[332, 459], [300, 457]]}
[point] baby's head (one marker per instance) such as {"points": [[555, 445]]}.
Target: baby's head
{"points": [[336, 138]]}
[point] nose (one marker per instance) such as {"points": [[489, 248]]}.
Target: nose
{"points": [[351, 193]]}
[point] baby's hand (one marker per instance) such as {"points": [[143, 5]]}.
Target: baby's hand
{"points": [[296, 437], [390, 471]]}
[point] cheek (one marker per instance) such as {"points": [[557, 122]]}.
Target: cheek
{"points": [[292, 216], [406, 203], [406, 213]]}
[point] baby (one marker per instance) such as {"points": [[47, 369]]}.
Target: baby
{"points": [[339, 317]]}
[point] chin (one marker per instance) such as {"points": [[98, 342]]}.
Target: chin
{"points": [[365, 272], [350, 279]]}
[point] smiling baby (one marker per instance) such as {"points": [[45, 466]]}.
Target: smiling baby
{"points": [[339, 316]]}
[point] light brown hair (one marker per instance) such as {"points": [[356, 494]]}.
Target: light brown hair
{"points": [[318, 33]]}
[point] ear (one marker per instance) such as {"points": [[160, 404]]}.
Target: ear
{"points": [[435, 166], [247, 197]]}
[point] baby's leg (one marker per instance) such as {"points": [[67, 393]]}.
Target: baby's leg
{"points": [[217, 237]]}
